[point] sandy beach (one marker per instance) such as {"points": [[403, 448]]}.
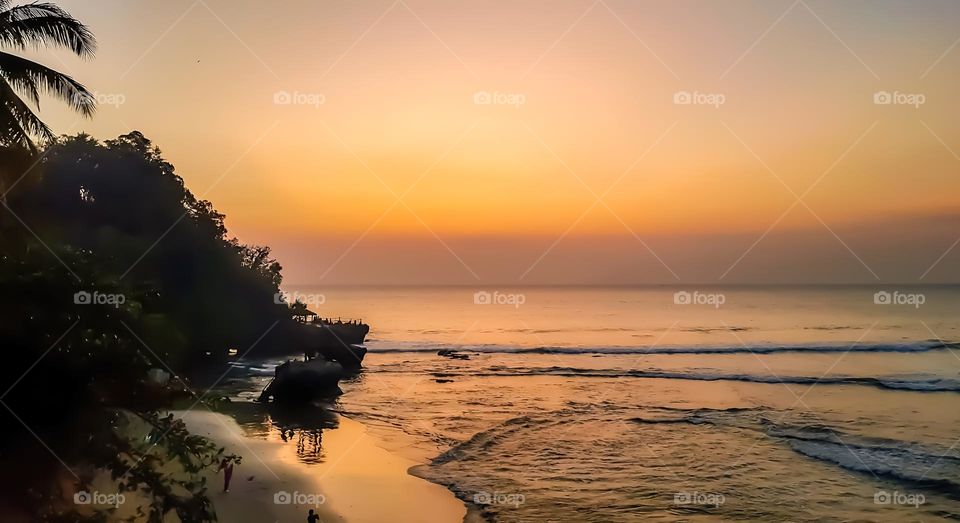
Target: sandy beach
{"points": [[354, 480]]}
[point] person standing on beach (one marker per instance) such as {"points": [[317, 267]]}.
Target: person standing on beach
{"points": [[311, 517], [227, 468]]}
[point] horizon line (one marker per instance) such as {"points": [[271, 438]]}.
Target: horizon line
{"points": [[621, 285]]}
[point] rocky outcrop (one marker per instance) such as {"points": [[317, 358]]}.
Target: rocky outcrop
{"points": [[304, 381]]}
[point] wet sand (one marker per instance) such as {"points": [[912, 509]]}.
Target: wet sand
{"points": [[356, 481]]}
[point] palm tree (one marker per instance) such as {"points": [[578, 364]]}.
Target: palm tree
{"points": [[33, 26]]}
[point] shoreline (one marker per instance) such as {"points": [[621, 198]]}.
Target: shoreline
{"points": [[353, 478]]}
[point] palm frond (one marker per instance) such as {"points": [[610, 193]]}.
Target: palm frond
{"points": [[34, 79], [11, 133], [23, 84], [43, 24], [19, 122]]}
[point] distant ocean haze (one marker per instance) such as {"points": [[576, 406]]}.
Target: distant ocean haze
{"points": [[647, 318], [905, 248]]}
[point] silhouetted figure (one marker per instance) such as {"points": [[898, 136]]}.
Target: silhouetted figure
{"points": [[311, 517], [227, 468]]}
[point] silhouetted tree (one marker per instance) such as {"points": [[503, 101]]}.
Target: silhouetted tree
{"points": [[37, 25], [114, 218], [22, 81]]}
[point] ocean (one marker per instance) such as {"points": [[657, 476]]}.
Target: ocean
{"points": [[667, 404]]}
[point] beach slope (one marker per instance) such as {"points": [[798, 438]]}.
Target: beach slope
{"points": [[356, 480]]}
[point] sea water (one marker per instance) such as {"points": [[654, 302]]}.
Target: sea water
{"points": [[668, 404]]}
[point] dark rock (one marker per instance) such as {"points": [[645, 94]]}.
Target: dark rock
{"points": [[452, 354], [304, 381]]}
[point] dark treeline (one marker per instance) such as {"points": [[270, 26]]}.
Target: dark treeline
{"points": [[113, 277], [111, 267]]}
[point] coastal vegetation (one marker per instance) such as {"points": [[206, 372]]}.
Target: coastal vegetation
{"points": [[112, 269], [117, 283]]}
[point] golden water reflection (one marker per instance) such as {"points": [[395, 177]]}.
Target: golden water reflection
{"points": [[299, 426]]}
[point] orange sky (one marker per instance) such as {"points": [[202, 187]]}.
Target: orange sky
{"points": [[583, 107]]}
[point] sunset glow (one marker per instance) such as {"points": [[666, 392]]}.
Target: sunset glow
{"points": [[319, 133]]}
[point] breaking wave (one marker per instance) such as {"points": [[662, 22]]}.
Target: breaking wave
{"points": [[901, 461], [930, 384], [922, 346], [906, 462]]}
